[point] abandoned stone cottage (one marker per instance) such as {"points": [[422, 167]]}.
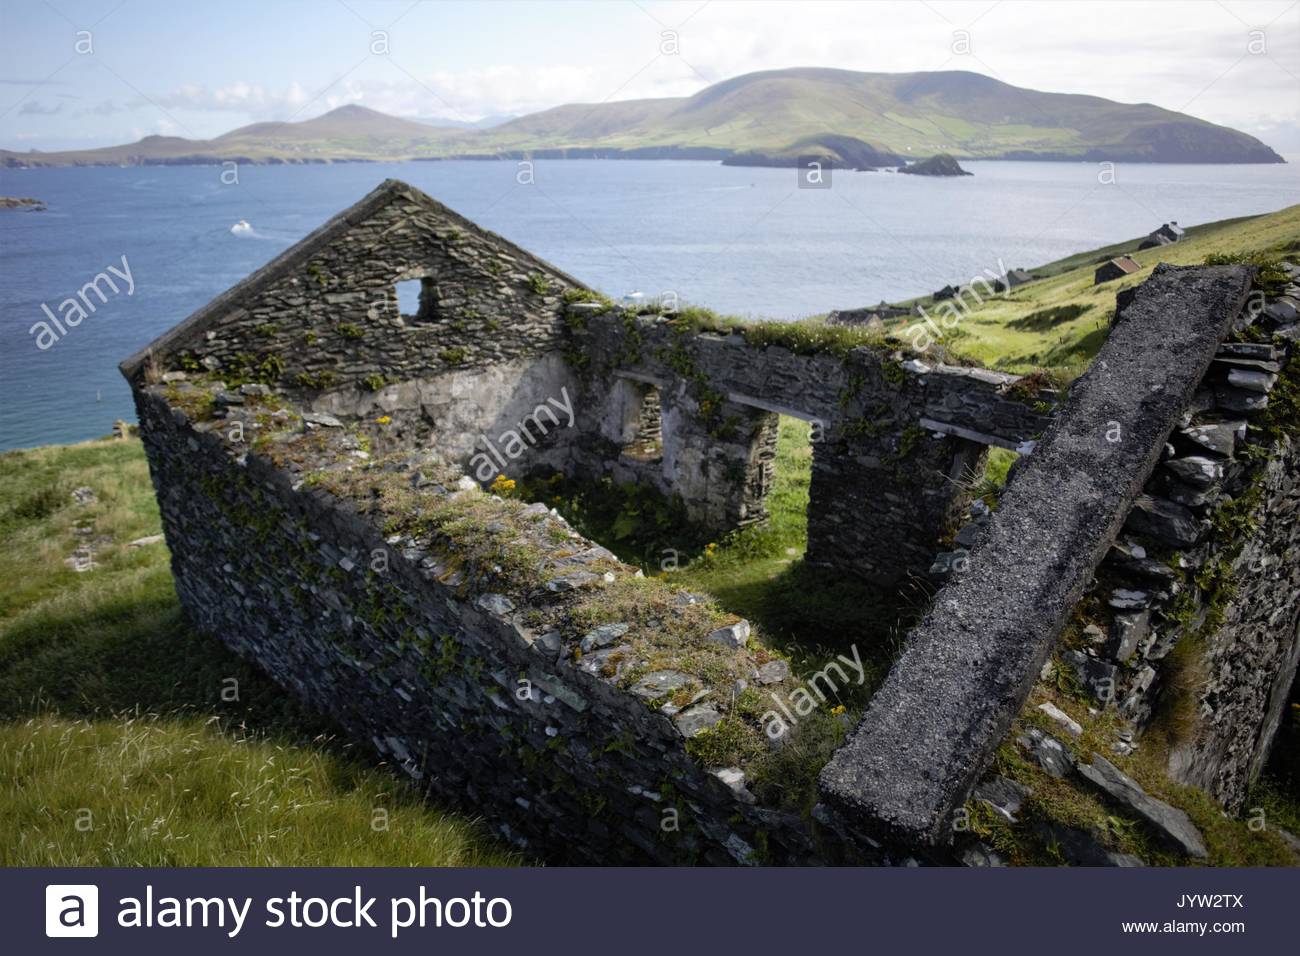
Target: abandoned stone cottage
{"points": [[320, 459]]}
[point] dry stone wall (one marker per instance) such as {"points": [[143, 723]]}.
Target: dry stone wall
{"points": [[892, 438], [300, 427], [447, 665], [325, 313]]}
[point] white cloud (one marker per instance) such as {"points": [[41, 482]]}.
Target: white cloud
{"points": [[1183, 56]]}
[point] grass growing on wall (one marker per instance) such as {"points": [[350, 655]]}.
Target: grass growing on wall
{"points": [[110, 702], [756, 572]]}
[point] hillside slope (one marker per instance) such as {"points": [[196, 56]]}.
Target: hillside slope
{"points": [[1060, 321], [911, 114]]}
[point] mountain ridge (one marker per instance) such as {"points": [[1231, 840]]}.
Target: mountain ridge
{"points": [[910, 115]]}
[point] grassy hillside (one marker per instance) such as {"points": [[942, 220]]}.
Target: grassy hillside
{"points": [[1059, 322], [911, 114], [967, 114], [118, 746]]}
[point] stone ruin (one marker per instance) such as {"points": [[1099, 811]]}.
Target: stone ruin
{"points": [[324, 465]]}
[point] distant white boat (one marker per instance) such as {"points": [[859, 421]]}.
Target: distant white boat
{"points": [[634, 298], [241, 228]]}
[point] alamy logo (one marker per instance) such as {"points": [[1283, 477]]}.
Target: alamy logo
{"points": [[71, 909]]}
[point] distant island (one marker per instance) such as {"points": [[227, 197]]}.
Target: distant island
{"points": [[941, 165], [13, 202], [757, 119], [840, 152]]}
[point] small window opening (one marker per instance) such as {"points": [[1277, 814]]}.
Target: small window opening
{"points": [[417, 299], [643, 431]]}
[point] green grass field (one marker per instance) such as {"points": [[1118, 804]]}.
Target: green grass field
{"points": [[118, 746]]}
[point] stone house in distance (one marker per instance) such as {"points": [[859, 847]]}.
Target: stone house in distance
{"points": [[1116, 268]]}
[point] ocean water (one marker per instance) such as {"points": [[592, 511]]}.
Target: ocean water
{"points": [[745, 241]]}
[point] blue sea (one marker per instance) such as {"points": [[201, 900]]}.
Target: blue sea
{"points": [[745, 241]]}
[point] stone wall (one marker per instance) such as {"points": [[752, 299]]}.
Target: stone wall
{"points": [[1249, 662], [967, 670], [1200, 597], [893, 438], [459, 666], [325, 313], [322, 322], [300, 430]]}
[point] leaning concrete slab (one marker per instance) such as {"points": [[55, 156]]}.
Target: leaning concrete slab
{"points": [[966, 671]]}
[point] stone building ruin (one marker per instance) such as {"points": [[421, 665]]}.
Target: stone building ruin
{"points": [[324, 462]]}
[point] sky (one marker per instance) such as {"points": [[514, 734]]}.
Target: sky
{"points": [[81, 74]]}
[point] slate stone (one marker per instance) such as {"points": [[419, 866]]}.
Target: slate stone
{"points": [[659, 684], [1195, 470], [1149, 568], [1061, 719], [1165, 520], [969, 534], [602, 636], [1282, 311], [1185, 495], [773, 672], [946, 562], [594, 663], [552, 642], [1252, 380], [1172, 825], [1004, 795], [697, 719], [981, 854], [733, 778], [1049, 752], [495, 604], [734, 635], [1099, 677], [1081, 847], [1127, 632], [1240, 400], [1124, 599], [312, 420], [1218, 437], [1247, 350], [573, 582]]}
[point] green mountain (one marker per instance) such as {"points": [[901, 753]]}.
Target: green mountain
{"points": [[911, 115]]}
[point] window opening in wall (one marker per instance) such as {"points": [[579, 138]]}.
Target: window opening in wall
{"points": [[417, 299], [643, 435]]}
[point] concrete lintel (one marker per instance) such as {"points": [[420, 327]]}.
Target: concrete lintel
{"points": [[771, 407], [968, 668], [970, 434]]}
